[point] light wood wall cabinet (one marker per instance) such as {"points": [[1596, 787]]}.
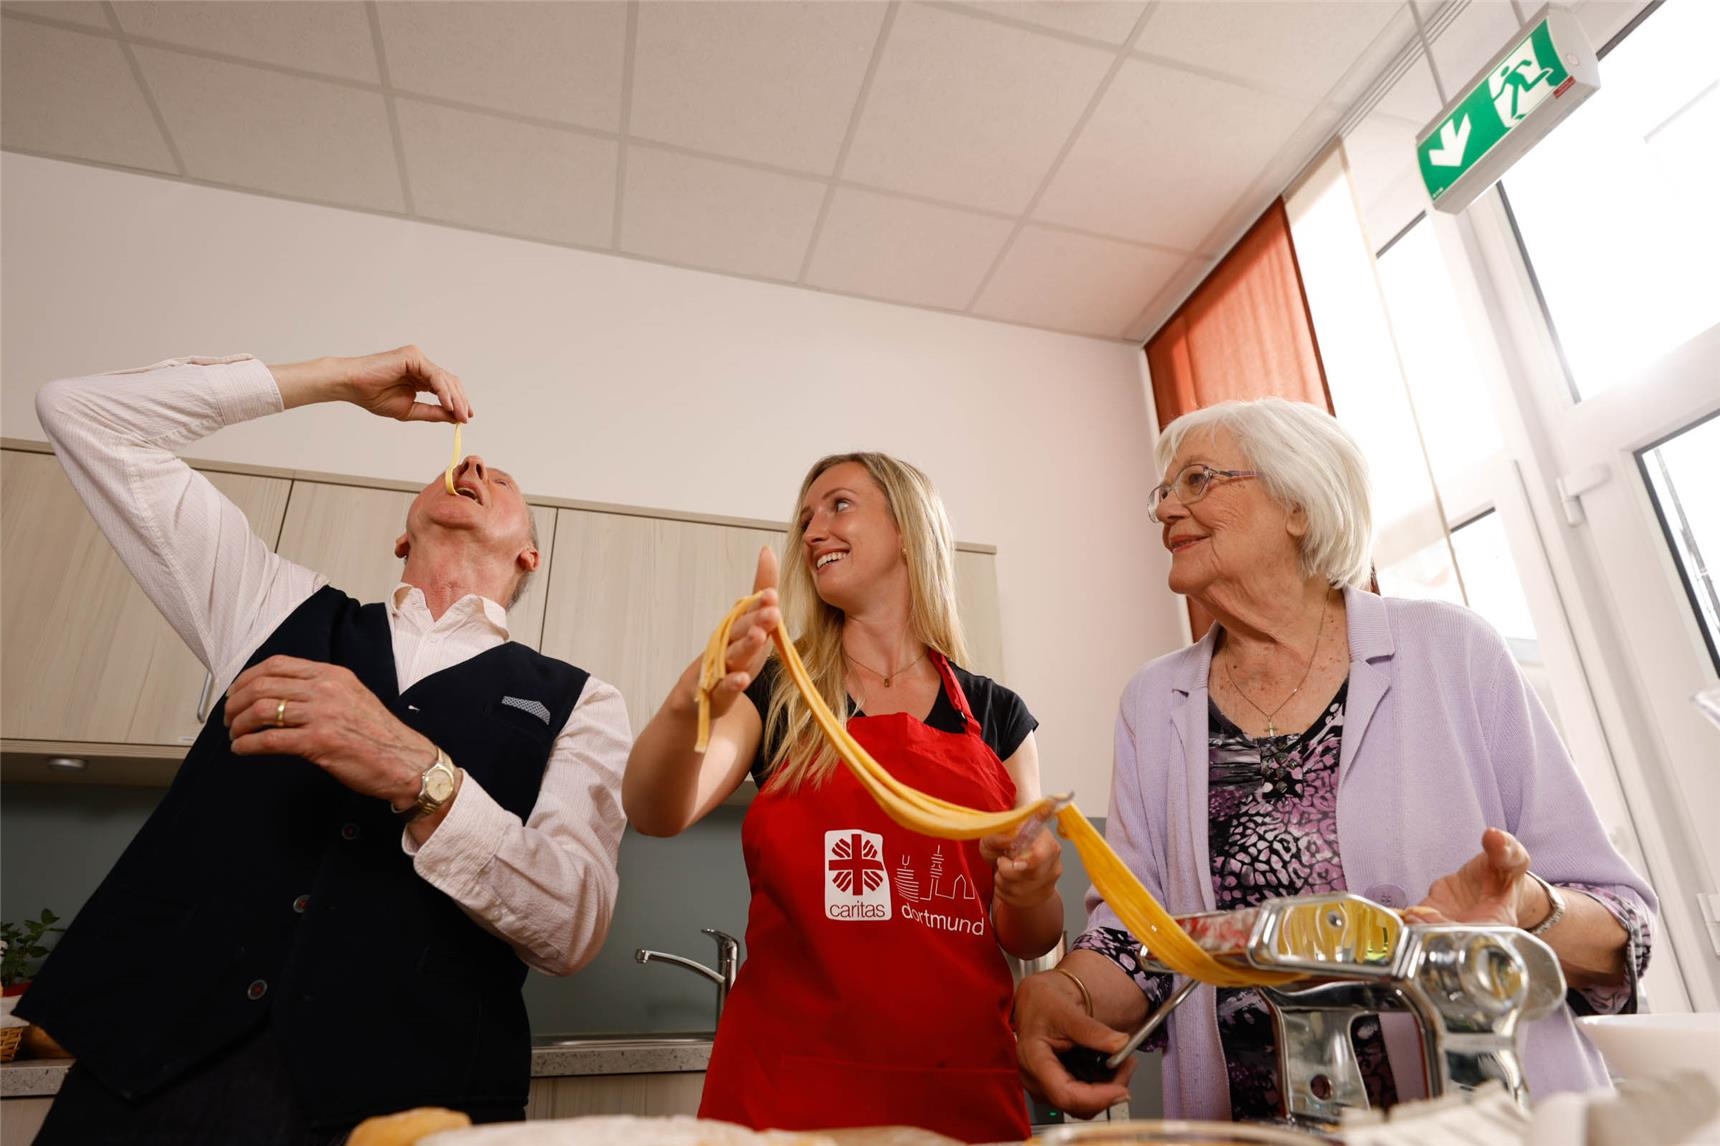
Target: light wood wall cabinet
{"points": [[91, 669], [635, 598], [87, 657], [976, 599], [347, 533]]}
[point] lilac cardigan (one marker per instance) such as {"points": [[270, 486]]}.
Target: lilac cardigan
{"points": [[1442, 739]]}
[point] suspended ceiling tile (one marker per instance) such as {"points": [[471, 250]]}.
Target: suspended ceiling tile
{"points": [[316, 35], [86, 12], [1095, 19], [254, 128], [720, 216], [517, 178], [1166, 154], [886, 247], [65, 93], [970, 111], [1604, 19], [1364, 72], [1412, 98], [1074, 282], [1172, 295], [770, 82], [553, 61], [1469, 42], [1247, 41], [1292, 156]]}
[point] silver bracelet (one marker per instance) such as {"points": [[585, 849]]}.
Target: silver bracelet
{"points": [[1553, 916]]}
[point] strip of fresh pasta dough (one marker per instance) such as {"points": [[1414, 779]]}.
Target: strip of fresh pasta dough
{"points": [[1145, 918], [448, 477]]}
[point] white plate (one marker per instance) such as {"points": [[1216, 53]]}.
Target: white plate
{"points": [[1642, 1046]]}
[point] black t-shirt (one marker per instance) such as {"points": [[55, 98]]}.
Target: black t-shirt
{"points": [[1004, 721]]}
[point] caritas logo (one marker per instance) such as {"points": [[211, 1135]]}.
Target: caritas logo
{"points": [[856, 886]]}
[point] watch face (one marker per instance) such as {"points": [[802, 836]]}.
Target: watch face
{"points": [[439, 785]]}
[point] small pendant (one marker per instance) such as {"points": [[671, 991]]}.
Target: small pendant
{"points": [[1271, 729], [887, 681]]}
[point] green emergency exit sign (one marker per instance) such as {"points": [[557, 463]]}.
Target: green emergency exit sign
{"points": [[1537, 79]]}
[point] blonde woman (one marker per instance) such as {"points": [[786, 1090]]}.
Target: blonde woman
{"points": [[875, 990]]}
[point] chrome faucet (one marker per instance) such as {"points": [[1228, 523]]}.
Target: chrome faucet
{"points": [[728, 963]]}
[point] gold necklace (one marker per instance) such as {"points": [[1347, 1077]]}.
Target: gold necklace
{"points": [[887, 678], [1319, 634]]}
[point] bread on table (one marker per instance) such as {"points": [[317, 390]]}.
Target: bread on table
{"points": [[406, 1127]]}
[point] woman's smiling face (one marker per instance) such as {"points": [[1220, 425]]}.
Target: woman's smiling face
{"points": [[848, 537], [1233, 530]]}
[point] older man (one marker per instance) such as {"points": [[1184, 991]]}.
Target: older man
{"points": [[394, 813]]}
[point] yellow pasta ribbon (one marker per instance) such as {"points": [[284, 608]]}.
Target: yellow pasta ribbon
{"points": [[448, 477], [917, 811]]}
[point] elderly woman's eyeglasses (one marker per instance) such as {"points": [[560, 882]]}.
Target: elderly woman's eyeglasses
{"points": [[1190, 485]]}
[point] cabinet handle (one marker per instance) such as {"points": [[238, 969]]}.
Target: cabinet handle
{"points": [[204, 698]]}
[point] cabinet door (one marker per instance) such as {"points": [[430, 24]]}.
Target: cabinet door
{"points": [[976, 599], [347, 533], [87, 657], [641, 1095], [635, 598]]}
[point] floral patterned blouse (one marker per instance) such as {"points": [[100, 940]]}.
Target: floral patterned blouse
{"points": [[1272, 832]]}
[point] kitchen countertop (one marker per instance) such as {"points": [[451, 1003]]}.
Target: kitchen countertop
{"points": [[560, 1057], [552, 1057], [32, 1077]]}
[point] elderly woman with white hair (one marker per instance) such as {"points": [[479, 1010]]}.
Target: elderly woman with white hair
{"points": [[1320, 738]]}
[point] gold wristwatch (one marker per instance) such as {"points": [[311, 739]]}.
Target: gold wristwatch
{"points": [[435, 788]]}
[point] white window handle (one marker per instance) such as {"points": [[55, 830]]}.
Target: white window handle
{"points": [[1574, 485]]}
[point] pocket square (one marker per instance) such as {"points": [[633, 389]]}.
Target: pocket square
{"points": [[536, 707]]}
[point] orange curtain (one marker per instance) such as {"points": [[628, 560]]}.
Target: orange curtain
{"points": [[1245, 332]]}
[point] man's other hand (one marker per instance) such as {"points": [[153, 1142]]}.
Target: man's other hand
{"points": [[288, 706]]}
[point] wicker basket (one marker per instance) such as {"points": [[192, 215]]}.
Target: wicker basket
{"points": [[10, 1039]]}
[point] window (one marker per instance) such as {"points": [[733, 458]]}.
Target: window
{"points": [[1453, 404], [1412, 557], [1494, 588], [1491, 583], [1683, 475], [1615, 208]]}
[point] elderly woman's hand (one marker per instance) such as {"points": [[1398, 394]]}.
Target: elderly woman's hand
{"points": [[1050, 1019], [1493, 887], [1025, 872]]}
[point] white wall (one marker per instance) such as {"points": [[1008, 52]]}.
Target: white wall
{"points": [[614, 380]]}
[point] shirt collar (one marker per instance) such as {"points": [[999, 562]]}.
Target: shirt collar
{"points": [[407, 596]]}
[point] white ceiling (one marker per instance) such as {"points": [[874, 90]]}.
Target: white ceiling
{"points": [[1067, 165]]}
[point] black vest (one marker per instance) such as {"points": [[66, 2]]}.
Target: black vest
{"points": [[262, 891]]}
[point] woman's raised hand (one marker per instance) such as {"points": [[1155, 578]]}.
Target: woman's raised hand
{"points": [[749, 639], [1493, 887]]}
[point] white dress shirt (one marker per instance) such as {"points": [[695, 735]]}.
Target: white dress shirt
{"points": [[546, 886]]}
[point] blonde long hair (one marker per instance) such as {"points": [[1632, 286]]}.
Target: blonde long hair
{"points": [[929, 550]]}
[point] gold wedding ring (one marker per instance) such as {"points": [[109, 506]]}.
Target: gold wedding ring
{"points": [[280, 714]]}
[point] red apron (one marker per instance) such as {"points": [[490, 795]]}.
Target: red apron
{"points": [[874, 992]]}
